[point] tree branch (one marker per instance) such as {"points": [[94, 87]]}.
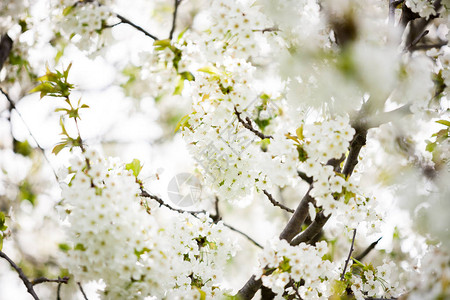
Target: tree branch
{"points": [[312, 230], [139, 28], [162, 203], [359, 140], [367, 251], [174, 18], [276, 203], [248, 124], [6, 44], [244, 235], [349, 254], [305, 177], [40, 280], [195, 213], [82, 291], [22, 276]]}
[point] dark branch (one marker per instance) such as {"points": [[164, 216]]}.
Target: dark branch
{"points": [[293, 227], [174, 18], [305, 177], [313, 229], [248, 124], [139, 28], [243, 234], [39, 280], [359, 140], [82, 291], [276, 203], [349, 255], [438, 45], [194, 213], [5, 48], [58, 291], [22, 276], [367, 251], [162, 203]]}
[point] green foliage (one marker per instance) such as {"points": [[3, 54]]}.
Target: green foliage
{"points": [[134, 166], [184, 122], [302, 155], [440, 138], [54, 84], [64, 247], [3, 227], [26, 192], [80, 247], [22, 148]]}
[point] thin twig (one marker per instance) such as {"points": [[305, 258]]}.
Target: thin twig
{"points": [[58, 291], [82, 291], [349, 254], [139, 28], [416, 40], [39, 280], [244, 234], [194, 213], [22, 276], [162, 203], [367, 251], [276, 203], [248, 124], [174, 18], [268, 29], [216, 217], [13, 106]]}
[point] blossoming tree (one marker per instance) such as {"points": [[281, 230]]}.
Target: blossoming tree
{"points": [[318, 133]]}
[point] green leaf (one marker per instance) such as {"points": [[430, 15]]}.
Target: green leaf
{"points": [[430, 147], [299, 133], [64, 247], [210, 70], [80, 247], [1, 241], [161, 44], [139, 253], [134, 166], [22, 148], [444, 122], [58, 148], [67, 10], [2, 221], [66, 72], [302, 154], [26, 192], [284, 265], [179, 87], [182, 123], [180, 35], [187, 75], [338, 287]]}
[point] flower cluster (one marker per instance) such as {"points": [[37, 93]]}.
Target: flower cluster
{"points": [[84, 24], [434, 266], [334, 193], [367, 281], [113, 237], [424, 8], [282, 267], [233, 30]]}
